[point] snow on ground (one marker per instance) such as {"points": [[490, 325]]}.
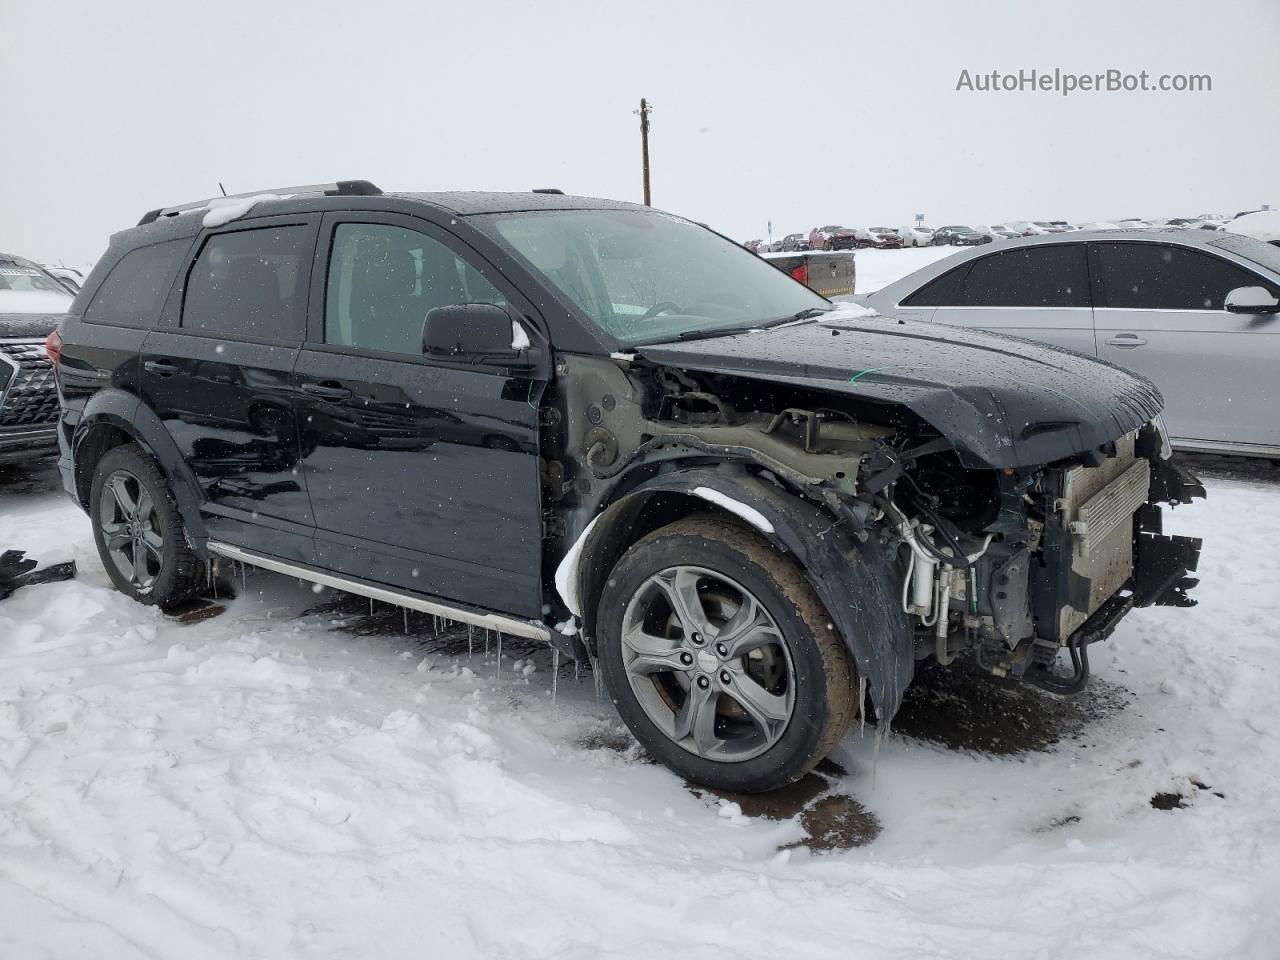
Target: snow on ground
{"points": [[288, 780], [879, 268]]}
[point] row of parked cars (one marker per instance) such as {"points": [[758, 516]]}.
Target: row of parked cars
{"points": [[834, 237]]}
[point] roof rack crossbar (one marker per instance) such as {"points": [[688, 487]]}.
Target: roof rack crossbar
{"points": [[338, 188]]}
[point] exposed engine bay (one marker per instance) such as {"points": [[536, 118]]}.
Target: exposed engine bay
{"points": [[1008, 565]]}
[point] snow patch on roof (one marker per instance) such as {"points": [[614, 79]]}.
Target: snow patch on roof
{"points": [[225, 209]]}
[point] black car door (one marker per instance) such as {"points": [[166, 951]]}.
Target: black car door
{"points": [[423, 474], [220, 376]]}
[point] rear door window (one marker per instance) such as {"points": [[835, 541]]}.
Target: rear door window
{"points": [[1161, 276], [135, 289], [1038, 276], [251, 284]]}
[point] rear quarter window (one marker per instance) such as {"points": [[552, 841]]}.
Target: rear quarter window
{"points": [[944, 291], [135, 289]]}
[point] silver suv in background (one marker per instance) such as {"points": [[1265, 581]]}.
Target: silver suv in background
{"points": [[1196, 312], [31, 303]]}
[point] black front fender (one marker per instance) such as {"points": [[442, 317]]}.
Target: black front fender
{"points": [[854, 579]]}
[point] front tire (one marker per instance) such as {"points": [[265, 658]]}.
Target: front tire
{"points": [[721, 659], [139, 532]]}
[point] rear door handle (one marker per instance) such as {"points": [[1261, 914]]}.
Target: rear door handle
{"points": [[327, 391], [1123, 340], [163, 368]]}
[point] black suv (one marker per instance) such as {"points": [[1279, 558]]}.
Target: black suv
{"points": [[615, 430]]}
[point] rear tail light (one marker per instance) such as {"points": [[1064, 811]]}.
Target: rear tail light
{"points": [[53, 347], [801, 273]]}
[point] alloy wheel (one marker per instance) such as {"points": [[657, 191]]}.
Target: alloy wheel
{"points": [[708, 664], [131, 529]]}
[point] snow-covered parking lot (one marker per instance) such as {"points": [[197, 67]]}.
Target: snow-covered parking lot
{"points": [[296, 777]]}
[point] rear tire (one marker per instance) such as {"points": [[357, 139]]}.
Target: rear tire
{"points": [[721, 659], [139, 532]]}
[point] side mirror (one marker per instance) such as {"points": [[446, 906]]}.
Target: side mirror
{"points": [[474, 333], [1251, 300]]}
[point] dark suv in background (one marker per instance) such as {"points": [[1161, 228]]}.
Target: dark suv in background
{"points": [[615, 430]]}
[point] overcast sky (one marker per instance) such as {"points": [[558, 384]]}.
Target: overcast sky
{"points": [[802, 113]]}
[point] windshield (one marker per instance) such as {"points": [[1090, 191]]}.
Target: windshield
{"points": [[644, 277], [14, 276], [1263, 254], [882, 230]]}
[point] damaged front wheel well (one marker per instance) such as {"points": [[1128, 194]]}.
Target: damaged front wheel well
{"points": [[624, 523]]}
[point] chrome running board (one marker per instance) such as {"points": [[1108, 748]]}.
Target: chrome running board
{"points": [[489, 621]]}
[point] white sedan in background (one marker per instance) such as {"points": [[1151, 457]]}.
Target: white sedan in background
{"points": [[998, 232], [1196, 312], [916, 236]]}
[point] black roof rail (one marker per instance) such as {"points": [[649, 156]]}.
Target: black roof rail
{"points": [[555, 190], [339, 188]]}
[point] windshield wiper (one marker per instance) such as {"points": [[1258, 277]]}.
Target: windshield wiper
{"points": [[709, 334], [808, 313]]}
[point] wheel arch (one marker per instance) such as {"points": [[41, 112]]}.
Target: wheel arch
{"points": [[115, 417], [852, 578]]}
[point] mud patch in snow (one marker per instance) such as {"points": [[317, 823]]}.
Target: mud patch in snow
{"points": [[832, 820], [837, 822], [962, 708], [197, 610], [616, 740]]}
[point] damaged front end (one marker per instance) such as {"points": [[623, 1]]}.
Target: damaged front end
{"points": [[1070, 550], [914, 550]]}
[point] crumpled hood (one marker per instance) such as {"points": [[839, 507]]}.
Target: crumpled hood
{"points": [[1002, 401]]}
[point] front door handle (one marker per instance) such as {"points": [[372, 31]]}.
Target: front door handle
{"points": [[1126, 341], [327, 391], [163, 368]]}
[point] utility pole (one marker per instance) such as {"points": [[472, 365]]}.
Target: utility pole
{"points": [[644, 145]]}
